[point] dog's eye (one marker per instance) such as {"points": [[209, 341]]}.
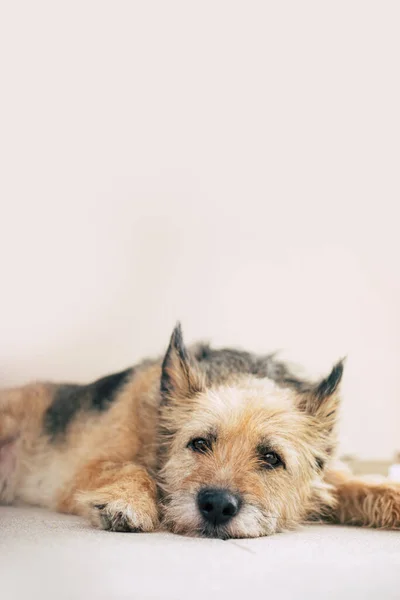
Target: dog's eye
{"points": [[270, 459], [200, 445]]}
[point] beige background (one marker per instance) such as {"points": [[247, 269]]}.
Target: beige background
{"points": [[231, 164]]}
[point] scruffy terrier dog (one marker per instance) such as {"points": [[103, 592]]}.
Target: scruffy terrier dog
{"points": [[218, 443]]}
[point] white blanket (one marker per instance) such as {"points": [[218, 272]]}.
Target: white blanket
{"points": [[48, 556]]}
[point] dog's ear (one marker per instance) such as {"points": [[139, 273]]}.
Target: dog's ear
{"points": [[180, 376], [321, 400]]}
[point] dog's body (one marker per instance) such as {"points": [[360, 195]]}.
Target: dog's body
{"points": [[215, 442]]}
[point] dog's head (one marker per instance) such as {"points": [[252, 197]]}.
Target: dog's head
{"points": [[240, 454]]}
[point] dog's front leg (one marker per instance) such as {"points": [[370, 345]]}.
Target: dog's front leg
{"points": [[365, 503], [114, 496]]}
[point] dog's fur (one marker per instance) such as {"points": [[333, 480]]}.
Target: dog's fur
{"points": [[119, 451]]}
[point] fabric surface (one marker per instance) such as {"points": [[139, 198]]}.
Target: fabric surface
{"points": [[50, 556]]}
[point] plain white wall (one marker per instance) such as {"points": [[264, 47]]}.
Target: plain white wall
{"points": [[231, 164]]}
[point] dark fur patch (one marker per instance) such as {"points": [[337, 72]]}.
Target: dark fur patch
{"points": [[227, 361], [69, 399], [219, 365]]}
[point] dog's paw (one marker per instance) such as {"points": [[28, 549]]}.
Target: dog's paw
{"points": [[386, 511], [118, 515], [368, 504]]}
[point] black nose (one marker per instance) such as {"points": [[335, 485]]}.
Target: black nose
{"points": [[217, 506]]}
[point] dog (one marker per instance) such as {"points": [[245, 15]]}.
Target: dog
{"points": [[203, 442]]}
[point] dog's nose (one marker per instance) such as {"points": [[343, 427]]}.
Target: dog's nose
{"points": [[217, 506]]}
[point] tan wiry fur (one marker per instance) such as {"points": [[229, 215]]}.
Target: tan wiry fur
{"points": [[130, 466]]}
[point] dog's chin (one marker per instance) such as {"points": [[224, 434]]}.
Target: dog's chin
{"points": [[202, 529], [214, 531]]}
